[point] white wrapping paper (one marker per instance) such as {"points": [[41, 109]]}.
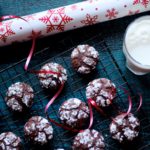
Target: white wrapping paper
{"points": [[67, 18]]}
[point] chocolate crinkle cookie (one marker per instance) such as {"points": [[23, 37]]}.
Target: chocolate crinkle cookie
{"points": [[9, 141], [74, 113], [19, 97], [84, 59], [54, 79], [38, 130], [88, 140], [102, 91], [125, 128]]}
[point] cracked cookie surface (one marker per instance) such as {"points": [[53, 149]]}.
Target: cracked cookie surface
{"points": [[38, 130], [52, 80], [88, 140], [74, 113], [19, 97], [9, 141], [84, 59], [102, 91], [125, 128]]}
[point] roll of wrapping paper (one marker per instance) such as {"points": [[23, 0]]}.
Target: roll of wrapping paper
{"points": [[68, 18]]}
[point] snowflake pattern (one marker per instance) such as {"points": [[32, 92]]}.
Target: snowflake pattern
{"points": [[73, 7], [90, 20], [133, 12], [56, 20], [5, 31], [35, 34], [145, 3], [111, 14], [30, 17]]}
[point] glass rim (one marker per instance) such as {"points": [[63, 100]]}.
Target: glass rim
{"points": [[124, 40]]}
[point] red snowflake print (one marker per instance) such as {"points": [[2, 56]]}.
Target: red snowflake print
{"points": [[30, 17], [35, 34], [90, 20], [133, 12], [56, 20], [112, 14], [145, 3], [2, 29], [5, 31], [73, 7]]}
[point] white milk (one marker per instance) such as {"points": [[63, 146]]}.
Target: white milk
{"points": [[137, 46]]}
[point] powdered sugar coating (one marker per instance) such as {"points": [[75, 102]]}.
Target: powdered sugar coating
{"points": [[124, 128], [102, 91], [84, 58], [51, 80], [74, 113], [19, 96], [88, 140], [9, 141], [38, 130]]}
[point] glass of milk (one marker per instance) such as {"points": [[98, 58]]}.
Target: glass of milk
{"points": [[136, 46]]}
